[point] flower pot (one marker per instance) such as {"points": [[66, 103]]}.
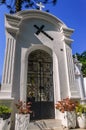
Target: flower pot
{"points": [[69, 119], [81, 121], [22, 121], [5, 124]]}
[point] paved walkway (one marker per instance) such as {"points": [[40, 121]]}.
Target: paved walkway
{"points": [[50, 124]]}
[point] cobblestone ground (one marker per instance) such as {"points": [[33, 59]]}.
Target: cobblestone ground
{"points": [[50, 124]]}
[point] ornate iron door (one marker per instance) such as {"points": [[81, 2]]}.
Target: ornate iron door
{"points": [[40, 85]]}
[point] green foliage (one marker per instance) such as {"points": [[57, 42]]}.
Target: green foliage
{"points": [[81, 108], [18, 5], [82, 58], [4, 109]]}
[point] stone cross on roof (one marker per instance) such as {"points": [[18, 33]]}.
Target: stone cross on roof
{"points": [[40, 5]]}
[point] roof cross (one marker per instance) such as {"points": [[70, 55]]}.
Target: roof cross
{"points": [[40, 5]]}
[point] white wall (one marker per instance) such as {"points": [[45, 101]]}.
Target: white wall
{"points": [[85, 85]]}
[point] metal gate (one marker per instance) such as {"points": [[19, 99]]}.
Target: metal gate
{"points": [[40, 85]]}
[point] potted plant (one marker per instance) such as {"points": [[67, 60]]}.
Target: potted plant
{"points": [[81, 115], [67, 107], [5, 114], [23, 116]]}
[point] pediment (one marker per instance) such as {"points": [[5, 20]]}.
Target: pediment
{"points": [[14, 22]]}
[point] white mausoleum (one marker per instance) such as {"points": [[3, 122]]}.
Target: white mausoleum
{"points": [[38, 63]]}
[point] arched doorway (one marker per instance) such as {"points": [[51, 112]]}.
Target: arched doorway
{"points": [[40, 84]]}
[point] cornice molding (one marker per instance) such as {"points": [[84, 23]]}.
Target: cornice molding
{"points": [[67, 40], [16, 19], [12, 30], [13, 21], [67, 31], [26, 14]]}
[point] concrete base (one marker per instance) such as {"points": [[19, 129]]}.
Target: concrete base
{"points": [[49, 124]]}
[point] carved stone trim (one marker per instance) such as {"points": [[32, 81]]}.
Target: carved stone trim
{"points": [[67, 40], [9, 60], [12, 20], [67, 31], [40, 14]]}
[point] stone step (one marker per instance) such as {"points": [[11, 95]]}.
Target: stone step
{"points": [[50, 124]]}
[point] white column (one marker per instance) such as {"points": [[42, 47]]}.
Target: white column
{"points": [[23, 75], [70, 66], [56, 82], [8, 64], [66, 68], [85, 85], [72, 87], [79, 79]]}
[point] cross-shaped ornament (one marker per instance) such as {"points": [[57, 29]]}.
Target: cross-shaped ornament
{"points": [[40, 29], [40, 5]]}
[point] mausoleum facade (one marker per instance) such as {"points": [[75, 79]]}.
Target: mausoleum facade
{"points": [[38, 63]]}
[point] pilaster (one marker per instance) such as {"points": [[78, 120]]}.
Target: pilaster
{"points": [[72, 88], [11, 32], [8, 63]]}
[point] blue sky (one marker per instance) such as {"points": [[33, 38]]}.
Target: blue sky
{"points": [[71, 12]]}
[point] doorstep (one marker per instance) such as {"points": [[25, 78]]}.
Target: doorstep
{"points": [[49, 124]]}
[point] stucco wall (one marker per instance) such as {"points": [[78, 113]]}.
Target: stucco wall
{"points": [[23, 32], [27, 38], [85, 85]]}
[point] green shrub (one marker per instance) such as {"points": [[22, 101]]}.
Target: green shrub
{"points": [[4, 109], [81, 108], [5, 112]]}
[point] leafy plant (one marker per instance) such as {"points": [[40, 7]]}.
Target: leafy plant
{"points": [[81, 108], [66, 105], [4, 109], [82, 58], [18, 5], [5, 112], [23, 107]]}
